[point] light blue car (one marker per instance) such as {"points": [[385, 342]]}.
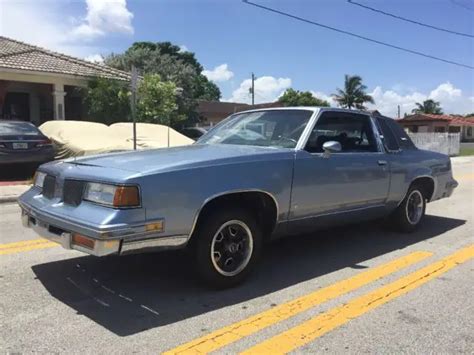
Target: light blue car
{"points": [[256, 176]]}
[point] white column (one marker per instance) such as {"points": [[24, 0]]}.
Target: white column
{"points": [[58, 101]]}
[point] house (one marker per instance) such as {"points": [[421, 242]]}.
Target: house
{"points": [[212, 112], [422, 122], [38, 85]]}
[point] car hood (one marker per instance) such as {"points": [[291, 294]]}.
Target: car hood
{"points": [[195, 155]]}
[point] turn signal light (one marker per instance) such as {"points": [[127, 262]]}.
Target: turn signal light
{"points": [[155, 226], [126, 196], [82, 241]]}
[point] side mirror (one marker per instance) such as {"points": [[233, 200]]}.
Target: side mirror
{"points": [[331, 147]]}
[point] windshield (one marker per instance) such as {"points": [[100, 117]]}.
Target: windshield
{"points": [[273, 128]]}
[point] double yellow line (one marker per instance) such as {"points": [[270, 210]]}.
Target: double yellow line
{"points": [[26, 245], [315, 327]]}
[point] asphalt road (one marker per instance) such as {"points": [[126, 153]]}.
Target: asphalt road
{"points": [[352, 289]]}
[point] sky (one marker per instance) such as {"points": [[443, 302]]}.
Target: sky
{"points": [[232, 39]]}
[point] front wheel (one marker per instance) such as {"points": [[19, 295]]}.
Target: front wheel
{"points": [[227, 245], [409, 215]]}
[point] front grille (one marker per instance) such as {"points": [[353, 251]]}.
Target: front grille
{"points": [[49, 186], [72, 192]]}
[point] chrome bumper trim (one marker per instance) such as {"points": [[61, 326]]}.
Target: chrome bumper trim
{"points": [[103, 247], [155, 244], [102, 232]]}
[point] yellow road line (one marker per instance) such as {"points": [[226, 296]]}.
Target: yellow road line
{"points": [[251, 325], [26, 245], [315, 327]]}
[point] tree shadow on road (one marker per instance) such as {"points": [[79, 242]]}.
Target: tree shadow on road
{"points": [[130, 294]]}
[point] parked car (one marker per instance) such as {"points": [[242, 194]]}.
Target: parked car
{"points": [[22, 143], [193, 132], [236, 188]]}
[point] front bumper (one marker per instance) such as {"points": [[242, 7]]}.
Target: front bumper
{"points": [[106, 241], [445, 190], [450, 186]]}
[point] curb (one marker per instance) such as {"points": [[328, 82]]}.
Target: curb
{"points": [[8, 199]]}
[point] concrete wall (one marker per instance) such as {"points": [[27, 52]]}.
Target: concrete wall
{"points": [[446, 143]]}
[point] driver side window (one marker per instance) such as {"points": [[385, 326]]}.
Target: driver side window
{"points": [[353, 131]]}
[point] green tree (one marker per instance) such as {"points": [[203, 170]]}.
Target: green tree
{"points": [[354, 94], [157, 101], [428, 106], [172, 64], [293, 97], [106, 100]]}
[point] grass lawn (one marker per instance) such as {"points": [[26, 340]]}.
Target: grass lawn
{"points": [[466, 151]]}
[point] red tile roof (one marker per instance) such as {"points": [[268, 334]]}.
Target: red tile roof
{"points": [[455, 120], [22, 56]]}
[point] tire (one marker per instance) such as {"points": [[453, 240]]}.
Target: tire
{"points": [[411, 212], [227, 245]]}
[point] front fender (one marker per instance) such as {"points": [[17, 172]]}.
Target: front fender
{"points": [[178, 196]]}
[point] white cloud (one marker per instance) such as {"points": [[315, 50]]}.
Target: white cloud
{"points": [[28, 21], [386, 102], [322, 96], [95, 58], [267, 89], [104, 16], [183, 48], [219, 73], [452, 100]]}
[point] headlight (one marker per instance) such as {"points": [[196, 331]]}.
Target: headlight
{"points": [[39, 179], [112, 195]]}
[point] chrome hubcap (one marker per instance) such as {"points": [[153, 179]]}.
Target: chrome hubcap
{"points": [[231, 248], [414, 207]]}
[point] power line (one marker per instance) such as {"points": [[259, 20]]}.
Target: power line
{"points": [[358, 36], [408, 20], [462, 5]]}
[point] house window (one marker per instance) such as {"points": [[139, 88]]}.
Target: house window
{"points": [[469, 131], [440, 129]]}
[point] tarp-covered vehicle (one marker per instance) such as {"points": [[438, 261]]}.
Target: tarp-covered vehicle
{"points": [[79, 138]]}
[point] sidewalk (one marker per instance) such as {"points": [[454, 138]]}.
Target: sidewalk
{"points": [[10, 193]]}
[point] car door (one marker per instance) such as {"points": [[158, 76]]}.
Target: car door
{"points": [[356, 178]]}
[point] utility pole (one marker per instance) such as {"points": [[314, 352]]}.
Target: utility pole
{"points": [[252, 89], [133, 84], [398, 111]]}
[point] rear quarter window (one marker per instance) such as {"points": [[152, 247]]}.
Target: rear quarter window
{"points": [[389, 139], [402, 137]]}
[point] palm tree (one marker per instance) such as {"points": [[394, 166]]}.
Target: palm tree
{"points": [[354, 94], [428, 106]]}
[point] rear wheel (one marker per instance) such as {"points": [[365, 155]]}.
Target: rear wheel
{"points": [[227, 245], [409, 215]]}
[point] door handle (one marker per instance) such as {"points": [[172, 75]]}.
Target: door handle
{"points": [[382, 162]]}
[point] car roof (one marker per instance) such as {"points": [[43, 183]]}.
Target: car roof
{"points": [[307, 108]]}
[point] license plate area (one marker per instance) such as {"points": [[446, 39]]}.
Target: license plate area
{"points": [[17, 145]]}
